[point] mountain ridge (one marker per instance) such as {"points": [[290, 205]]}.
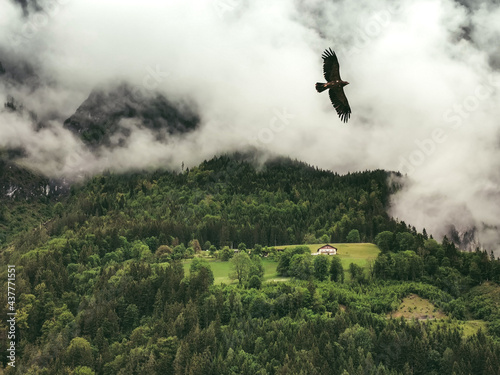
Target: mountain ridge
{"points": [[99, 118]]}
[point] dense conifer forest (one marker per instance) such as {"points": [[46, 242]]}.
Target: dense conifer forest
{"points": [[101, 287]]}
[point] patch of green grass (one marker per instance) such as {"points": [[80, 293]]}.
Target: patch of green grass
{"points": [[270, 273], [466, 328], [415, 307], [221, 270], [357, 253], [472, 326]]}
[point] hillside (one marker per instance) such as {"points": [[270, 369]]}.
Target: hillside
{"points": [[112, 282], [26, 198], [226, 201], [250, 188]]}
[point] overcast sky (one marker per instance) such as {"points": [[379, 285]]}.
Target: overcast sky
{"points": [[423, 89]]}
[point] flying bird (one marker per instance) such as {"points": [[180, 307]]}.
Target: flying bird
{"points": [[331, 71]]}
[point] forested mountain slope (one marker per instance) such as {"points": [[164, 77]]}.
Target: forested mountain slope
{"points": [[100, 286], [225, 200]]}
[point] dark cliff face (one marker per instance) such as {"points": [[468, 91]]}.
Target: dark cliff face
{"points": [[466, 238], [98, 118], [17, 182]]}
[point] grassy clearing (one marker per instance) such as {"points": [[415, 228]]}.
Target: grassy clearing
{"points": [[470, 327], [221, 270], [270, 271], [466, 328], [357, 253], [415, 307]]}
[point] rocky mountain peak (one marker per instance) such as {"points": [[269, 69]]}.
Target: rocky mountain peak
{"points": [[99, 117]]}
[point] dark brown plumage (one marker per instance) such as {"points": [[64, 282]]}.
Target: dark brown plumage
{"points": [[331, 71]]}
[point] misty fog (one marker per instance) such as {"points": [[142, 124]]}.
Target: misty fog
{"points": [[424, 90]]}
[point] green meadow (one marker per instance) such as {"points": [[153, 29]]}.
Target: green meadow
{"points": [[415, 307], [222, 269], [358, 253]]}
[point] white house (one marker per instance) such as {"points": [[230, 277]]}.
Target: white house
{"points": [[326, 250]]}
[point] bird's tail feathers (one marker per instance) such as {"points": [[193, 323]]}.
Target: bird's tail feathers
{"points": [[320, 87]]}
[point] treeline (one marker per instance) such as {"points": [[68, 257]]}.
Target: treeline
{"points": [[410, 257], [226, 201]]}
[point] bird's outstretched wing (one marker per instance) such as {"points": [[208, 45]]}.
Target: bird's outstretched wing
{"points": [[340, 103], [330, 65]]}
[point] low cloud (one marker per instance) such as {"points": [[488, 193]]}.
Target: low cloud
{"points": [[423, 76]]}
